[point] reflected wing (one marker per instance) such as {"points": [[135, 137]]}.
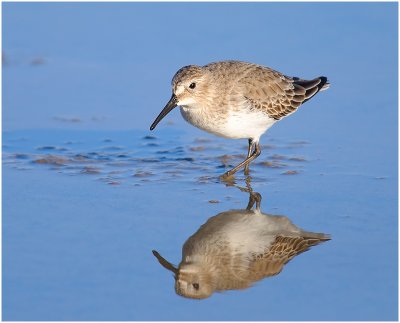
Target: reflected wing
{"points": [[280, 252], [276, 94]]}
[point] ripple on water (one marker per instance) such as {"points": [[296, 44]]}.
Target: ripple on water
{"points": [[52, 148], [202, 158]]}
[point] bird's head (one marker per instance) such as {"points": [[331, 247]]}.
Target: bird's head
{"points": [[189, 86], [191, 279]]}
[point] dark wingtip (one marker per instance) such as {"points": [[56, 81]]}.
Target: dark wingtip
{"points": [[324, 81], [312, 87]]}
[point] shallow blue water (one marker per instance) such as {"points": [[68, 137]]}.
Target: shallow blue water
{"points": [[78, 235], [88, 191]]}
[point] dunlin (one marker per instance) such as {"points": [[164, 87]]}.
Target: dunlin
{"points": [[237, 248], [238, 100]]}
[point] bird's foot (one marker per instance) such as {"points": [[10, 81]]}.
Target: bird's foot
{"points": [[228, 177]]}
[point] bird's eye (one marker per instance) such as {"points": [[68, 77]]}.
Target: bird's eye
{"points": [[196, 286], [192, 85]]}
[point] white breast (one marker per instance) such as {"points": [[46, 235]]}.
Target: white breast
{"points": [[239, 124]]}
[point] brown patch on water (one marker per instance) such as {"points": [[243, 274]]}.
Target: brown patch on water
{"points": [[279, 157], [299, 142], [90, 170], [299, 159], [114, 183], [82, 159], [291, 172], [120, 164], [197, 148], [142, 174], [291, 158], [272, 164], [52, 160], [226, 159]]}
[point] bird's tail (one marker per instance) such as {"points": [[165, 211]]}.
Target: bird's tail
{"points": [[312, 87]]}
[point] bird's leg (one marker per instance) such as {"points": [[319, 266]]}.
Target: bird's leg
{"points": [[247, 189], [248, 184], [258, 200], [254, 198], [249, 152], [254, 155]]}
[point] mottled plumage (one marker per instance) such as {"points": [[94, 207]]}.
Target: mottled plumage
{"points": [[237, 100], [234, 249]]}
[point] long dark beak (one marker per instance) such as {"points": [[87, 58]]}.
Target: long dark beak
{"points": [[172, 103], [166, 264]]}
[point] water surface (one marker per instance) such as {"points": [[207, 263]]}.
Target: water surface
{"points": [[82, 212]]}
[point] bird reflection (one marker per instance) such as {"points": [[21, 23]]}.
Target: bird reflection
{"points": [[236, 248]]}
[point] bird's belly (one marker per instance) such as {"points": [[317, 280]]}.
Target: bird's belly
{"points": [[232, 124], [246, 124]]}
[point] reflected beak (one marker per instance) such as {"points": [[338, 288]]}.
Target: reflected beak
{"points": [[166, 264], [172, 103]]}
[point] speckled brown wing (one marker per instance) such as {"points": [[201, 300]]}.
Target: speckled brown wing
{"points": [[276, 94], [282, 250]]}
